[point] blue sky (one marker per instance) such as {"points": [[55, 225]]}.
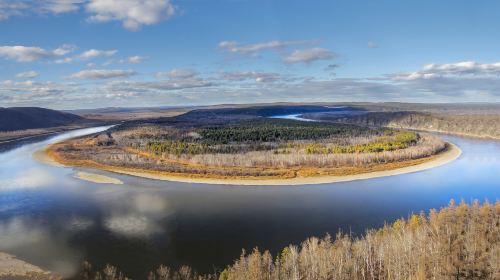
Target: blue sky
{"points": [[68, 54]]}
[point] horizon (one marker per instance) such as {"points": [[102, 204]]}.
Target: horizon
{"points": [[88, 54], [284, 103]]}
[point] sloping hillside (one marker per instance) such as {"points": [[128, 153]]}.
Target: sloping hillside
{"points": [[479, 125], [20, 118]]}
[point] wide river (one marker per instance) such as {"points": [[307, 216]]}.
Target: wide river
{"points": [[51, 219]]}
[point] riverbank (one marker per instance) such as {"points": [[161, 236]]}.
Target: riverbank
{"points": [[304, 177], [13, 268]]}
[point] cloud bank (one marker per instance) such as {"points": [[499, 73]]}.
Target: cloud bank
{"points": [[133, 14]]}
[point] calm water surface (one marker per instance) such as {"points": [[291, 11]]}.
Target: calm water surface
{"points": [[53, 220]]}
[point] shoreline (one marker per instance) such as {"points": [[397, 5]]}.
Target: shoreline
{"points": [[449, 155], [97, 178], [11, 266]]}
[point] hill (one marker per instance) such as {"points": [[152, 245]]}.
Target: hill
{"points": [[460, 123], [21, 118]]}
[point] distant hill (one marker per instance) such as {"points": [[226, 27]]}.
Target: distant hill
{"points": [[20, 118]]}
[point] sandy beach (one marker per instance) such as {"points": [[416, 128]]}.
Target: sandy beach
{"points": [[96, 178], [452, 153]]}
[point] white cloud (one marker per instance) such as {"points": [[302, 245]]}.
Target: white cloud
{"points": [[132, 13], [93, 53], [87, 55], [260, 77], [26, 92], [28, 54], [178, 74], [252, 49], [452, 82], [64, 50], [97, 74], [308, 55], [464, 68], [65, 60], [133, 59], [11, 8], [27, 74]]}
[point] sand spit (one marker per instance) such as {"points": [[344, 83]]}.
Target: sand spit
{"points": [[96, 178]]}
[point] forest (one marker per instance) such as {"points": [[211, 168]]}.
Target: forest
{"points": [[257, 148], [474, 123], [460, 241]]}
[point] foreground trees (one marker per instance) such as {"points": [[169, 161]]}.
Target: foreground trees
{"points": [[457, 242]]}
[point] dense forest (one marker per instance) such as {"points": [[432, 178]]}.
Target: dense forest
{"points": [[471, 124], [456, 242]]}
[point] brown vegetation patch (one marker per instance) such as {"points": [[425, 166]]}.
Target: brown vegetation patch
{"points": [[207, 172]]}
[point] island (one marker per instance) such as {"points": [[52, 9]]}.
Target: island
{"points": [[239, 147]]}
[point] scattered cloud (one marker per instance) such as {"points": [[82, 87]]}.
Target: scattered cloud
{"points": [[259, 77], [234, 47], [93, 53], [308, 55], [27, 74], [163, 85], [11, 8], [98, 74], [132, 13], [65, 60], [28, 54], [86, 55], [136, 59], [178, 74], [464, 68]]}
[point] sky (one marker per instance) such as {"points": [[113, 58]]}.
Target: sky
{"points": [[74, 54]]}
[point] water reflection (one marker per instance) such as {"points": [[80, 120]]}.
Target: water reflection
{"points": [[56, 221]]}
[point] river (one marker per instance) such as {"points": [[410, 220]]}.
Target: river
{"points": [[55, 221]]}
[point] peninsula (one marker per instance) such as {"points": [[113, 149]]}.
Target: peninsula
{"points": [[245, 146]]}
